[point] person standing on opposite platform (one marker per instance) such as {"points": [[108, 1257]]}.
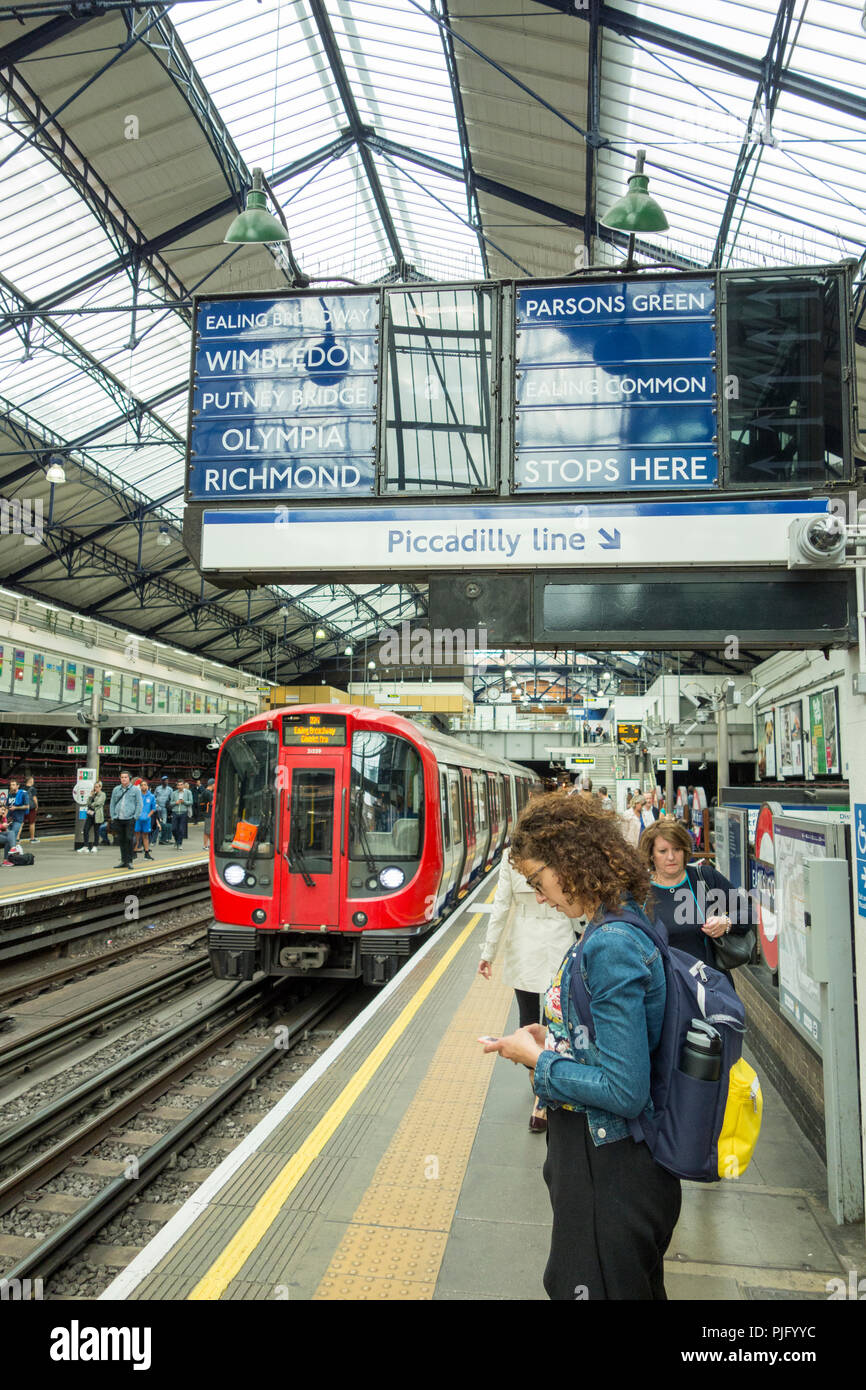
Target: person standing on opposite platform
{"points": [[143, 824], [30, 788], [125, 810], [206, 804], [162, 796], [614, 1207], [535, 937], [181, 805], [94, 819], [17, 810]]}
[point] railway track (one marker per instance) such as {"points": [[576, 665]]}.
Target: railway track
{"points": [[249, 1003]]}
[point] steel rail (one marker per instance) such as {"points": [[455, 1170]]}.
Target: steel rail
{"points": [[70, 1237]]}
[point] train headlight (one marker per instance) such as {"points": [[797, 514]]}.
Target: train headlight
{"points": [[392, 877], [359, 919], [234, 874]]}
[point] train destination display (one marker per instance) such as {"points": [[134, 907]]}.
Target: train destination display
{"points": [[616, 387], [284, 397]]}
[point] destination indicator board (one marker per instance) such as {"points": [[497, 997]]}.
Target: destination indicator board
{"points": [[308, 730], [616, 387], [284, 398], [628, 733]]}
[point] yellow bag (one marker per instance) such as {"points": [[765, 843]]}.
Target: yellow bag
{"points": [[742, 1123]]}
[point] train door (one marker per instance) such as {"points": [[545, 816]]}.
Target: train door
{"points": [[313, 829], [458, 833], [492, 816], [449, 847], [500, 812], [484, 814], [469, 822]]}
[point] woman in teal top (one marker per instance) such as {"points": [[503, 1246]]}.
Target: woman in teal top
{"points": [[614, 1207]]}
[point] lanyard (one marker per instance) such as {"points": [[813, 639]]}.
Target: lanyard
{"points": [[670, 887]]}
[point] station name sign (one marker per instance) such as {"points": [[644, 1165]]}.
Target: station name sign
{"points": [[616, 387], [284, 397]]}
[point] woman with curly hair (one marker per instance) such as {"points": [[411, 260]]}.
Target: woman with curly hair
{"points": [[614, 1207]]}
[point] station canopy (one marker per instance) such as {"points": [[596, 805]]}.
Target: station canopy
{"points": [[455, 140]]}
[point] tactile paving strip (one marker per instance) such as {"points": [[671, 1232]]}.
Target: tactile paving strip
{"points": [[394, 1246]]}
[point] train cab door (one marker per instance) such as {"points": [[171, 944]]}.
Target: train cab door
{"points": [[313, 827]]}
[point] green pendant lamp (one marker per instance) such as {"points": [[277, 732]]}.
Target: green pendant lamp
{"points": [[636, 211], [256, 224]]}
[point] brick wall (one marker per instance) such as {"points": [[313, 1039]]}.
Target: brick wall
{"points": [[783, 1056]]}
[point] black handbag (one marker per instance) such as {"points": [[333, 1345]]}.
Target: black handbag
{"points": [[734, 948]]}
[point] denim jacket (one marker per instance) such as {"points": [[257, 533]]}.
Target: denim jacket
{"points": [[608, 1077]]}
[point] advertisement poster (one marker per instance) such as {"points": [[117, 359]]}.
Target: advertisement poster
{"points": [[89, 674], [38, 664], [148, 694], [767, 744], [18, 665], [106, 685], [831, 732], [816, 734], [799, 995], [71, 675], [791, 740]]}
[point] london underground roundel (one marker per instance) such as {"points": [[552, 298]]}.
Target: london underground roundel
{"points": [[765, 854]]}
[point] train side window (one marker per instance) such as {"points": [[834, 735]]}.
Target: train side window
{"points": [[454, 788], [245, 792]]}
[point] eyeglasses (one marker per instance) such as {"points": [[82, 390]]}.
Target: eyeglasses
{"points": [[536, 887]]}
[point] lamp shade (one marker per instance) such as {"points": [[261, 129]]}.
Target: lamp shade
{"points": [[256, 224], [636, 211]]}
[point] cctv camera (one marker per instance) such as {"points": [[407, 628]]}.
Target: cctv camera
{"points": [[129, 729], [681, 741]]}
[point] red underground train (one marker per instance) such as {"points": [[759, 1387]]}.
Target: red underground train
{"points": [[341, 835]]}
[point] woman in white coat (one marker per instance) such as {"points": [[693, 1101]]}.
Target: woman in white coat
{"points": [[534, 938]]}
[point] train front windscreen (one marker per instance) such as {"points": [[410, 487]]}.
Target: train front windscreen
{"points": [[245, 806], [387, 798]]}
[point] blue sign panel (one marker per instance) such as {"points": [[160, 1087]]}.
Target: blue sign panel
{"points": [[860, 854], [616, 387], [284, 397]]}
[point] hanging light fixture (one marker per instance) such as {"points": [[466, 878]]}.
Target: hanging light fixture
{"points": [[636, 211], [163, 536], [255, 223], [321, 634], [55, 472]]}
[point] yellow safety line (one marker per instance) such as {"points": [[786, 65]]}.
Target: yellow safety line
{"points": [[37, 888], [239, 1249]]}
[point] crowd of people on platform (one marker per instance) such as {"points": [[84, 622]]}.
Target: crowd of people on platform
{"points": [[140, 817], [574, 863]]}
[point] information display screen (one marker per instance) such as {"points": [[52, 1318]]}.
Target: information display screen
{"points": [[314, 731], [627, 733]]}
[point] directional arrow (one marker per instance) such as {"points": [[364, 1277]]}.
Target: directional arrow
{"points": [[610, 542], [770, 296], [769, 338], [770, 378], [769, 422]]}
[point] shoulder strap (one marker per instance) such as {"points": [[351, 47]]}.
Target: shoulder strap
{"points": [[621, 914]]}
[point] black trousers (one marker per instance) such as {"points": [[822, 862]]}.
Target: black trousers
{"points": [[528, 1006], [614, 1212], [123, 830]]}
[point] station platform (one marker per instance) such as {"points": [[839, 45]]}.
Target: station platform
{"points": [[401, 1167], [57, 867]]}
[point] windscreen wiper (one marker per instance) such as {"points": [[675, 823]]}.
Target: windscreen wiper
{"points": [[362, 836], [301, 864]]}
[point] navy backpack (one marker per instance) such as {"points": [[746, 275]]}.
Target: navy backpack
{"points": [[684, 1130]]}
